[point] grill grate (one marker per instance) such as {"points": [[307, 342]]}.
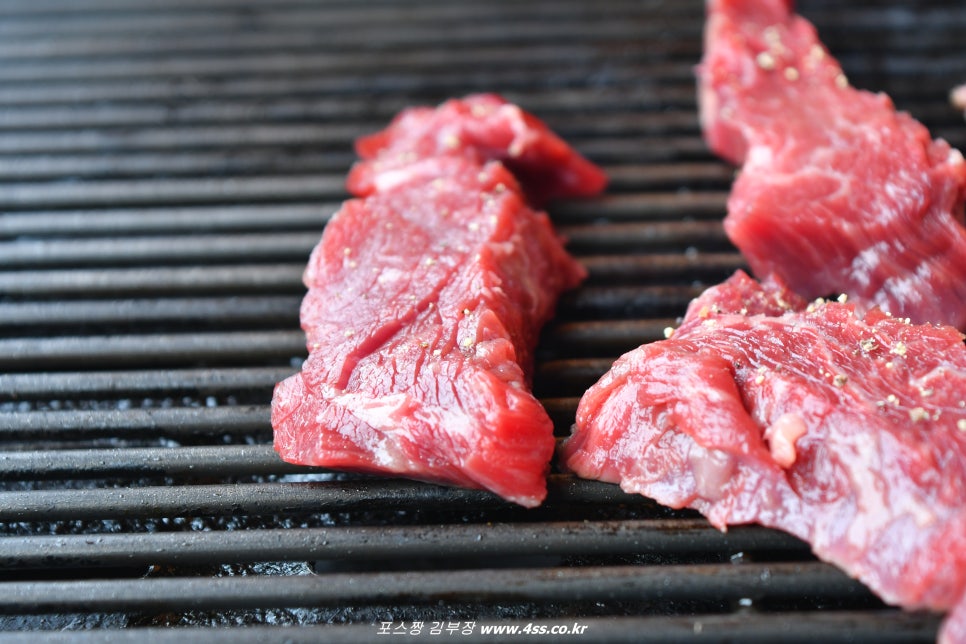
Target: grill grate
{"points": [[166, 167]]}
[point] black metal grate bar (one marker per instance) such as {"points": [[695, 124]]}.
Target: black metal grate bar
{"points": [[471, 543], [236, 499], [118, 222], [47, 353], [186, 421], [223, 310], [207, 461], [613, 583], [144, 383]]}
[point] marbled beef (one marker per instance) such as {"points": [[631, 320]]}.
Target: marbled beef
{"points": [[838, 192], [425, 300], [480, 127], [846, 430]]}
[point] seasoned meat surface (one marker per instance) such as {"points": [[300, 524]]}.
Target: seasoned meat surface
{"points": [[846, 430], [838, 192]]}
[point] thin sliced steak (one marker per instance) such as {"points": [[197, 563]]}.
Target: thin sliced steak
{"points": [[481, 127], [845, 430], [838, 192], [425, 302]]}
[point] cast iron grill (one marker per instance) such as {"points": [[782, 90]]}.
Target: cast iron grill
{"points": [[165, 168]]}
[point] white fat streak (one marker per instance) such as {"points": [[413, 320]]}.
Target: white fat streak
{"points": [[878, 509], [760, 156], [781, 437], [867, 261], [712, 470], [522, 135], [388, 179], [908, 288], [389, 274], [382, 414]]}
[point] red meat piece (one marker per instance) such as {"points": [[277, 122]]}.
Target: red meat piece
{"points": [[481, 127], [838, 192], [846, 430], [425, 302]]}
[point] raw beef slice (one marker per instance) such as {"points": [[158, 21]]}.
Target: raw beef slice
{"points": [[481, 127], [424, 305], [846, 430], [838, 192]]}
